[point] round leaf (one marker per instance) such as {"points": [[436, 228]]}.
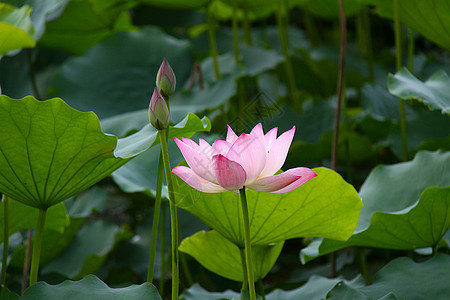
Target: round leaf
{"points": [[89, 287], [392, 217], [50, 151], [325, 206], [435, 92]]}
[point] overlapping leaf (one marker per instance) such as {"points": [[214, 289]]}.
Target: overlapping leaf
{"points": [[89, 287], [16, 28], [222, 257], [325, 206], [50, 151], [430, 18], [393, 216], [435, 92], [402, 278]]}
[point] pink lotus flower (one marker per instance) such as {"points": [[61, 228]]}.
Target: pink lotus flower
{"points": [[250, 160]]}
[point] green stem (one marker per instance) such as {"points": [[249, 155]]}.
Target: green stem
{"points": [[284, 41], [246, 25], [248, 245], [235, 32], [434, 249], [410, 50], [244, 270], [37, 245], [5, 239], [173, 215], [212, 43], [398, 59], [363, 265], [162, 276], [156, 213]]}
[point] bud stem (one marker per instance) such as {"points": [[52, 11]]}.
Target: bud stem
{"points": [[173, 214]]}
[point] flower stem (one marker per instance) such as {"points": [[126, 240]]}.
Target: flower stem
{"points": [[156, 213], [173, 214], [5, 238], [212, 43], [248, 246], [398, 59], [162, 276], [244, 269], [37, 245]]}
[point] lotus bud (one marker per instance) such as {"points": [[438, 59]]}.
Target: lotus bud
{"points": [[158, 112], [165, 79]]}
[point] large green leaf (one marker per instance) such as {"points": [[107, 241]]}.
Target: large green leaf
{"points": [[88, 250], [140, 175], [89, 287], [430, 18], [435, 92], [22, 217], [316, 288], [118, 74], [326, 206], [50, 151], [421, 226], [403, 278], [16, 28], [222, 257], [399, 211], [80, 27]]}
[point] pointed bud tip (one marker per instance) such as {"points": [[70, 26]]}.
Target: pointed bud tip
{"points": [[165, 79], [158, 112]]}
